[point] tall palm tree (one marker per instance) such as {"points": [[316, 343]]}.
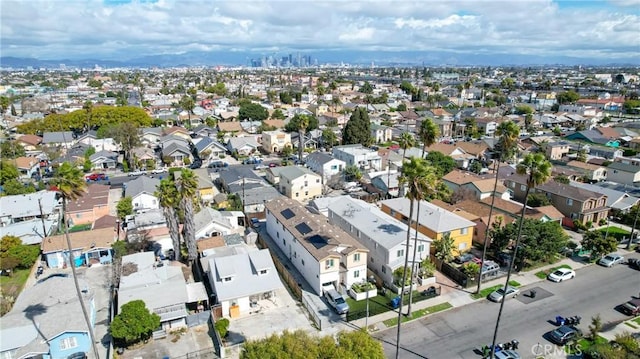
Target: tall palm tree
{"points": [[167, 195], [413, 174], [428, 133], [71, 185], [537, 171], [187, 186], [507, 133], [303, 123], [406, 140]]}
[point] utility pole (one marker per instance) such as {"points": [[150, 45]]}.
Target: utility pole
{"points": [[44, 227], [633, 228], [243, 199]]}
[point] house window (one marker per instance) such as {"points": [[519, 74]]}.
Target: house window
{"points": [[523, 187], [306, 183], [384, 270], [317, 180], [569, 202], [306, 193], [421, 248], [303, 262], [278, 234], [263, 271], [295, 254], [329, 263], [297, 194], [462, 246], [464, 231], [393, 213], [358, 233], [154, 202], [356, 274], [356, 257], [227, 279], [513, 185], [284, 241], [400, 253], [68, 343]]}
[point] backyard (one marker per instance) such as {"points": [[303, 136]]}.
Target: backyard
{"points": [[11, 286], [379, 304]]}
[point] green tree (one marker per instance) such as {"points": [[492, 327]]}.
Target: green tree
{"points": [[285, 97], [188, 104], [595, 327], [8, 171], [253, 112], [125, 207], [278, 114], [596, 242], [471, 269], [428, 133], [222, 326], [187, 186], [406, 141], [562, 179], [444, 248], [302, 122], [70, 184], [294, 124], [523, 110], [366, 88], [358, 128], [567, 97], [168, 199], [442, 163], [538, 200], [476, 167], [11, 150], [126, 135], [329, 137], [5, 103], [352, 173], [134, 323], [401, 107]]}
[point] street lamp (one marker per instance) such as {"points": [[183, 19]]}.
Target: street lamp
{"points": [[606, 233]]}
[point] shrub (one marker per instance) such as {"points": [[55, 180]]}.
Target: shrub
{"points": [[362, 287], [222, 326]]}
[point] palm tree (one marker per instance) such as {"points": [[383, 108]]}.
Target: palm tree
{"points": [[303, 123], [428, 133], [507, 133], [187, 186], [71, 185], [413, 175], [167, 195], [406, 140], [537, 171]]}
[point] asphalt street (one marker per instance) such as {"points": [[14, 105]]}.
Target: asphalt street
{"points": [[456, 333]]}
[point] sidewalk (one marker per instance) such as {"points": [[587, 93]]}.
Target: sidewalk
{"points": [[459, 297]]}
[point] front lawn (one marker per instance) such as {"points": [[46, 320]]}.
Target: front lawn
{"points": [[12, 286], [379, 304], [486, 291], [586, 343], [543, 274], [616, 232], [419, 313]]}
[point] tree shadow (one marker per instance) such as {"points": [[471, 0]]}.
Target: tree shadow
{"points": [[31, 312]]}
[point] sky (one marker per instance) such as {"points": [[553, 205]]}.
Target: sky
{"points": [[125, 29]]}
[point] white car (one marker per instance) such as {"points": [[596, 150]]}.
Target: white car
{"points": [[561, 274], [610, 260], [159, 170]]}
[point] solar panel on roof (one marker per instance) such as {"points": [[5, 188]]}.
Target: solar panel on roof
{"points": [[318, 241], [304, 228], [287, 213]]}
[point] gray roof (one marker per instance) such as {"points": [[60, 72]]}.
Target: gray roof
{"points": [[431, 216], [142, 184], [626, 167], [29, 232], [52, 305], [208, 215], [105, 154], [238, 173], [207, 142], [293, 172], [157, 286], [615, 199], [245, 270], [238, 142], [258, 194], [57, 137], [319, 158], [151, 130], [173, 147], [385, 230], [26, 205]]}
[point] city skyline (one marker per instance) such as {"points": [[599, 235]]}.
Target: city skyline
{"points": [[603, 31]]}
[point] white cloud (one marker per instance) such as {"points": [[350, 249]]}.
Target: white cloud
{"points": [[52, 29]]}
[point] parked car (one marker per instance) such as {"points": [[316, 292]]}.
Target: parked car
{"points": [[561, 274], [196, 164], [564, 334], [136, 173], [490, 267], [464, 258], [336, 300], [631, 307], [218, 164], [274, 164], [96, 177], [260, 167], [498, 295], [634, 263], [504, 259], [610, 260], [159, 170]]}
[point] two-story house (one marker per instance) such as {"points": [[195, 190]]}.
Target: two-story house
{"points": [[142, 192], [275, 141], [433, 221], [93, 204], [323, 253], [325, 165], [299, 183], [359, 156], [384, 236], [556, 150], [591, 172], [573, 202], [623, 173], [380, 133]]}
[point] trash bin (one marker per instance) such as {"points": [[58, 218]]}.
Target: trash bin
{"points": [[532, 293], [395, 302], [559, 320]]}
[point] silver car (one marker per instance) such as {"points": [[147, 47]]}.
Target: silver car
{"points": [[610, 260], [498, 295]]}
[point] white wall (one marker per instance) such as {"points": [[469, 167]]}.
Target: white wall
{"points": [[145, 201]]}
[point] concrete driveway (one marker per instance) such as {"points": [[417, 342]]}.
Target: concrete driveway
{"points": [[285, 314]]}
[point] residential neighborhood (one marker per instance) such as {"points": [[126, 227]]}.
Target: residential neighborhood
{"points": [[223, 206]]}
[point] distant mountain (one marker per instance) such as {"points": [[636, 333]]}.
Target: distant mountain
{"points": [[379, 58]]}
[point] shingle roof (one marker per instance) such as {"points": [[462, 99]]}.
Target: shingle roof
{"points": [[57, 137], [96, 195], [431, 216], [142, 184], [84, 240], [320, 238]]}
